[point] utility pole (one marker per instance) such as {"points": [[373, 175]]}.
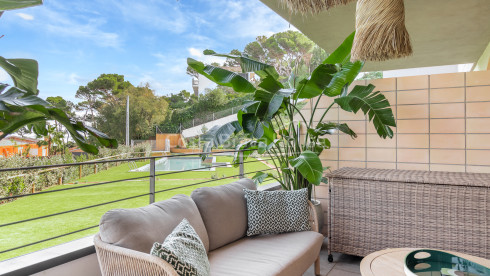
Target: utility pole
{"points": [[127, 120]]}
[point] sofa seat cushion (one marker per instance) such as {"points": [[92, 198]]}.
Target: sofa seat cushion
{"points": [[266, 255], [139, 228], [224, 211]]}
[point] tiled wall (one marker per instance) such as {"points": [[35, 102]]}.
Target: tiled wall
{"points": [[443, 125]]}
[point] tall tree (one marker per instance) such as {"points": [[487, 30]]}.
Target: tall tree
{"points": [[230, 62], [68, 108], [91, 101], [180, 100], [62, 104], [103, 90], [191, 72], [146, 110], [110, 85], [212, 100], [318, 55], [286, 51], [372, 75]]}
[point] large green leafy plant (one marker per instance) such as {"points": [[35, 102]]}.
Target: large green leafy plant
{"points": [[20, 105], [270, 118]]}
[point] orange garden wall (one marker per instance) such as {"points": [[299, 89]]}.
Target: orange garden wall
{"points": [[6, 151], [175, 139], [443, 125], [181, 150]]}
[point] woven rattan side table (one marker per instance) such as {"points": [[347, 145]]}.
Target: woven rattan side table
{"points": [[390, 262]]}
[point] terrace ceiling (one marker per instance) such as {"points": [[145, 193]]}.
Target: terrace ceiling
{"points": [[442, 32]]}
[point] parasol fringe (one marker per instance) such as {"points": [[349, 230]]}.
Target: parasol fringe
{"points": [[311, 6], [380, 31]]}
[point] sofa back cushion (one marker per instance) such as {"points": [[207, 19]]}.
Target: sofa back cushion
{"points": [[139, 228], [275, 212], [224, 211]]}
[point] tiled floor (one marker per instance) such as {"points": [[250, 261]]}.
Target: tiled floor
{"points": [[342, 265]]}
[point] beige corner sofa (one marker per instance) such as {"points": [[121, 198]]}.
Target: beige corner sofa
{"points": [[219, 216]]}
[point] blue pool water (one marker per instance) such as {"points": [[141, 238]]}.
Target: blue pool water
{"points": [[179, 164]]}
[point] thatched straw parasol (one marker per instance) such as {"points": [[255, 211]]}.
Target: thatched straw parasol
{"points": [[312, 6], [380, 31]]}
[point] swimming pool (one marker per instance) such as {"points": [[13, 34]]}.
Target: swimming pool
{"points": [[179, 164]]}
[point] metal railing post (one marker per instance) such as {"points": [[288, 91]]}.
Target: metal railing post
{"points": [[152, 180], [242, 168]]}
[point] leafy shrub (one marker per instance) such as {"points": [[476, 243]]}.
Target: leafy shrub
{"points": [[23, 182]]}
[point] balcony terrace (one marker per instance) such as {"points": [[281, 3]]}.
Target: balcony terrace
{"points": [[78, 257], [427, 187]]}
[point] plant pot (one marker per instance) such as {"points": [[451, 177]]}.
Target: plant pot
{"points": [[319, 213]]}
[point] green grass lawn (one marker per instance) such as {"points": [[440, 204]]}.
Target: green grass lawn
{"points": [[45, 204]]}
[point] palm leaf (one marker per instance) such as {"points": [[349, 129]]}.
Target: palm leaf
{"points": [[343, 78], [217, 135], [259, 177], [252, 124], [222, 77], [18, 4], [320, 78], [373, 104], [271, 102], [24, 73], [329, 128], [341, 55], [19, 108], [249, 65], [309, 165], [247, 148]]}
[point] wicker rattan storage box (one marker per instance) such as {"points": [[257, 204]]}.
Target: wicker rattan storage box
{"points": [[375, 209]]}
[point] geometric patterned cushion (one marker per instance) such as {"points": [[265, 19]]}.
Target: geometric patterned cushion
{"points": [[273, 212], [184, 250]]}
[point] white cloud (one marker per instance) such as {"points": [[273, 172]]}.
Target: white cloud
{"points": [[25, 16], [171, 64], [162, 15], [200, 38], [154, 84], [165, 84], [233, 9], [195, 52], [61, 24], [169, 74], [248, 19], [161, 59], [88, 31], [75, 79], [159, 55]]}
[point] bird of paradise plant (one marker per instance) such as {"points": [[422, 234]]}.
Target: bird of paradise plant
{"points": [[268, 118]]}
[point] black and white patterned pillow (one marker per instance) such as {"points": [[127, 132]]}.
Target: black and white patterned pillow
{"points": [[184, 250], [272, 212]]}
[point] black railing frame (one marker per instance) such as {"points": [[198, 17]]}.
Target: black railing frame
{"points": [[152, 181]]}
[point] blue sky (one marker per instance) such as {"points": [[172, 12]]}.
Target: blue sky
{"points": [[145, 40]]}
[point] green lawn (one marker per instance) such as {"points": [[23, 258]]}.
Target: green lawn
{"points": [[45, 204]]}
